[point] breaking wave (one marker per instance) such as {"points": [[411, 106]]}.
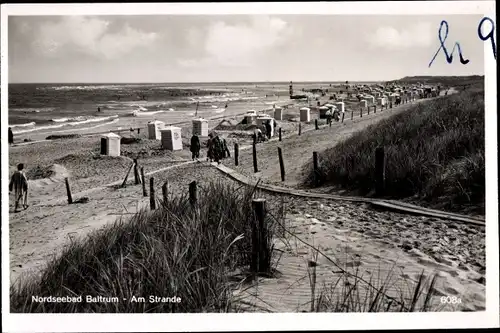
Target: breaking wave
{"points": [[64, 122]]}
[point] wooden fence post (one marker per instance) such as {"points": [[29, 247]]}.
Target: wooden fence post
{"points": [[126, 177], [352, 114], [254, 153], [279, 131], [193, 197], [152, 199], [368, 110], [379, 171], [136, 172], [164, 191], [138, 131], [282, 166], [315, 168], [300, 128], [261, 260], [361, 112], [236, 153], [68, 191], [144, 192], [316, 124], [343, 115]]}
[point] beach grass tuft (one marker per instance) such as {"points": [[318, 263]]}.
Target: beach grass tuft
{"points": [[434, 155]]}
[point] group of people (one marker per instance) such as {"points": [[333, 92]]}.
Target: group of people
{"points": [[335, 114], [258, 136], [217, 148]]}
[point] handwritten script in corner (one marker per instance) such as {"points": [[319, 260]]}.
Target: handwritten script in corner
{"points": [[444, 28]]}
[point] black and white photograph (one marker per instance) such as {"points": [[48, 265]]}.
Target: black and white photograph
{"points": [[235, 158]]}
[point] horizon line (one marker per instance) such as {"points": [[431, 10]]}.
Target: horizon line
{"points": [[275, 81]]}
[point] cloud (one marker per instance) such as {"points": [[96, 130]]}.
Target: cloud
{"points": [[89, 36], [388, 37], [239, 45]]}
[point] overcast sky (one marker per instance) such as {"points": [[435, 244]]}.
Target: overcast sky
{"points": [[211, 48]]}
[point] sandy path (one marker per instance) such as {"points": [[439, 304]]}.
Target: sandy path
{"points": [[297, 150], [345, 233], [378, 241]]}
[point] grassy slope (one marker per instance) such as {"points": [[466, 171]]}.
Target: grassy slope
{"points": [[172, 251], [434, 155]]}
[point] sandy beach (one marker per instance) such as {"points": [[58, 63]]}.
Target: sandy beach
{"points": [[356, 235]]}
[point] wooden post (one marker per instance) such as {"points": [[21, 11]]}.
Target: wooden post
{"points": [[144, 193], [368, 108], [300, 128], [193, 198], [316, 124], [128, 172], [254, 153], [136, 172], [379, 171], [260, 262], [315, 168], [164, 191], [352, 114], [152, 199], [343, 115], [138, 131], [68, 191], [361, 112], [282, 165], [279, 132], [236, 153]]}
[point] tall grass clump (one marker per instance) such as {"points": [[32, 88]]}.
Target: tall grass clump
{"points": [[175, 250], [434, 155]]}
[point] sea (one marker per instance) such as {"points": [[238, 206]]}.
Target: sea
{"points": [[65, 107]]}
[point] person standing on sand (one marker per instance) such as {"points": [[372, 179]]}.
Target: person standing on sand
{"points": [[195, 146], [19, 183], [217, 148], [268, 129], [11, 136], [328, 115], [225, 153], [210, 146]]}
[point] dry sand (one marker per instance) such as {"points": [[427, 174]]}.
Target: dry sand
{"points": [[384, 239]]}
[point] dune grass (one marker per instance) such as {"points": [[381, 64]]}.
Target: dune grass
{"points": [[434, 155], [200, 255], [176, 250]]}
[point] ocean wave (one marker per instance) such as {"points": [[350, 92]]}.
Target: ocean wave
{"points": [[34, 110], [87, 128], [23, 125], [63, 120], [84, 87], [220, 110], [145, 114], [76, 123]]}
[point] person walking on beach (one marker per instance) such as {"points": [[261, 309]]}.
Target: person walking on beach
{"points": [[210, 146], [19, 183], [195, 146], [268, 129], [11, 136], [217, 149], [225, 153], [328, 117]]}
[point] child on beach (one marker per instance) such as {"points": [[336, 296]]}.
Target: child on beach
{"points": [[19, 183]]}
